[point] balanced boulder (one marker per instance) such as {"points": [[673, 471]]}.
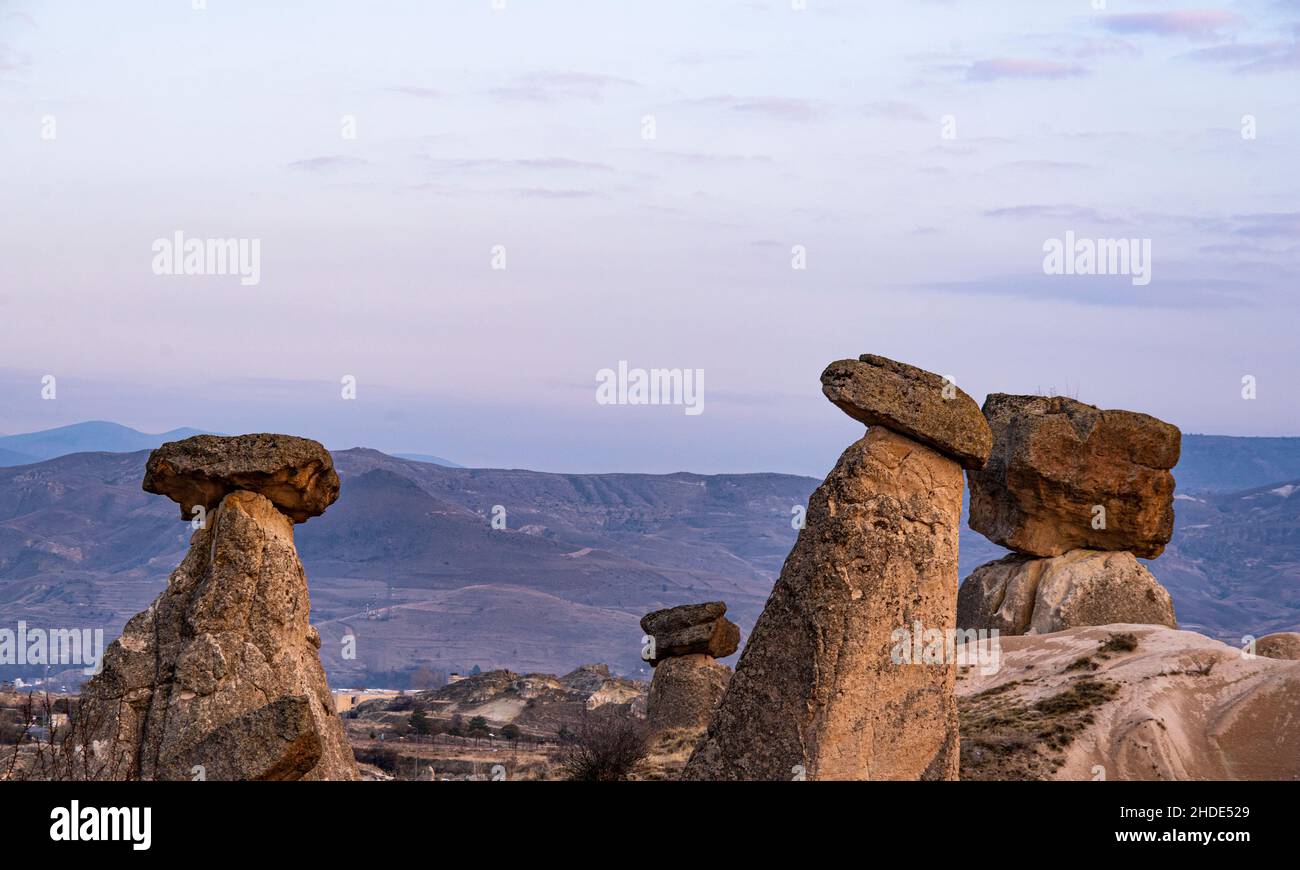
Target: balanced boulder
{"points": [[688, 679], [691, 629], [1064, 475], [221, 677], [296, 474], [1023, 595], [879, 391]]}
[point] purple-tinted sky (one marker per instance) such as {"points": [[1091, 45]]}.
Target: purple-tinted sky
{"points": [[523, 127]]}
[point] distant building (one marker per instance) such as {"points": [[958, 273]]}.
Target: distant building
{"points": [[346, 699]]}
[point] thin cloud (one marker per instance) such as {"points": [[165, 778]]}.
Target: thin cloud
{"points": [[782, 108], [553, 193], [700, 158], [328, 163], [895, 110], [559, 86], [538, 164], [999, 68], [1046, 165], [1251, 57], [1050, 212], [1187, 24], [412, 91]]}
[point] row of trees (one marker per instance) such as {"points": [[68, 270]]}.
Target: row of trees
{"points": [[477, 729]]}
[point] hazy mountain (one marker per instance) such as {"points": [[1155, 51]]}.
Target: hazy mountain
{"points": [[408, 563], [13, 457], [93, 436], [424, 457], [1222, 463]]}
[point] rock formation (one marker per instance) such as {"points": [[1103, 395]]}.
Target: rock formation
{"points": [[296, 474], [1282, 645], [816, 693], [1077, 492], [879, 391], [691, 629], [1055, 461], [1022, 595], [688, 680], [1130, 702], [220, 678]]}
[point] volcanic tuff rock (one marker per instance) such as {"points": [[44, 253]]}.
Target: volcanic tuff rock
{"points": [[685, 691], [1022, 595], [1160, 704], [691, 628], [296, 474], [816, 691], [1056, 460], [921, 405], [222, 670], [1283, 645]]}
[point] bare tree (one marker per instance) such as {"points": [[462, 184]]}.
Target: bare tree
{"points": [[606, 749]]}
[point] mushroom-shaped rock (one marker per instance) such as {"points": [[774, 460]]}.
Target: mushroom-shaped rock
{"points": [[690, 629], [295, 474], [1065, 475], [879, 391]]}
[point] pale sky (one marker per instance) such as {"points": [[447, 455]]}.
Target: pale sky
{"points": [[523, 127]]}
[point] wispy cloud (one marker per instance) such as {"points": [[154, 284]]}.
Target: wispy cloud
{"points": [[1046, 165], [536, 164], [1062, 211], [998, 68], [895, 110], [1113, 291], [413, 91], [783, 108], [1267, 225], [327, 163], [558, 86], [1186, 23], [553, 193], [701, 158], [1251, 57]]}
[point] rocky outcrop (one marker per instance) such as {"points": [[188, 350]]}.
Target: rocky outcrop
{"points": [[296, 474], [817, 693], [688, 679], [879, 391], [1282, 645], [685, 691], [691, 629], [1023, 595], [1130, 702], [1063, 475], [1077, 492], [221, 677]]}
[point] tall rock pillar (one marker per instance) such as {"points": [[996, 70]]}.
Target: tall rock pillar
{"points": [[818, 693], [220, 678]]}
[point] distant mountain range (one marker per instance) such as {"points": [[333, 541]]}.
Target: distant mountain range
{"points": [[98, 436], [408, 563], [91, 437]]}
